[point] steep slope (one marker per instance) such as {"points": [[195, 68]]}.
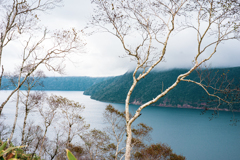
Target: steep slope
{"points": [[186, 95]]}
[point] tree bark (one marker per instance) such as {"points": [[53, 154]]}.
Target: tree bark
{"points": [[69, 133], [128, 142], [1, 75], [17, 103], [44, 136], [25, 118], [16, 116]]}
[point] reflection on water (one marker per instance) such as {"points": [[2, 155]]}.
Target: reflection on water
{"points": [[185, 130]]}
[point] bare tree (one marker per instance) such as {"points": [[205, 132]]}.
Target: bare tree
{"points": [[31, 82], [33, 138], [29, 100], [20, 20], [157, 151], [153, 22], [19, 17], [49, 114], [4, 129], [52, 56], [116, 129], [55, 147], [140, 133], [95, 144], [31, 103], [218, 83], [73, 123]]}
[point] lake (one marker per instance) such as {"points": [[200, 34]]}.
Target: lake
{"points": [[185, 130]]}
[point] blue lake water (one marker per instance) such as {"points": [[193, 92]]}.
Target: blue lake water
{"points": [[185, 130]]}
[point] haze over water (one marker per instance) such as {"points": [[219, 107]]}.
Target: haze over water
{"points": [[185, 130]]}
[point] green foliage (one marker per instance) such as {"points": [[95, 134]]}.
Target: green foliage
{"points": [[70, 155], [3, 146], [185, 94], [8, 152], [4, 150]]}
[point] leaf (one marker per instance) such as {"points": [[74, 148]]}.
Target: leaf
{"points": [[9, 149], [3, 146], [70, 155], [16, 155]]}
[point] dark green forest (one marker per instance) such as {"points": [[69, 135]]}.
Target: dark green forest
{"points": [[114, 89], [185, 95]]}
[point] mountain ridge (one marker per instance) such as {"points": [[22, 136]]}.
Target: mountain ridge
{"points": [[184, 95]]}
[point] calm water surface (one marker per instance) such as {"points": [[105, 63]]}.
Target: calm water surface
{"points": [[185, 130]]}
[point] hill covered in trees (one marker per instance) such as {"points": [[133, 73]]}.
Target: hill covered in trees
{"points": [[185, 95], [60, 83]]}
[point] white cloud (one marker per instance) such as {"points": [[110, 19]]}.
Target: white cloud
{"points": [[104, 50]]}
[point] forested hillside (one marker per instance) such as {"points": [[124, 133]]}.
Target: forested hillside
{"points": [[60, 83], [185, 95]]}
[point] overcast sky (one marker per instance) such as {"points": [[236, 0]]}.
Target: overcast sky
{"points": [[103, 56]]}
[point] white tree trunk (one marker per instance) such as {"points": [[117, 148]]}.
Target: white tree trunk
{"points": [[25, 118], [128, 143], [16, 116]]}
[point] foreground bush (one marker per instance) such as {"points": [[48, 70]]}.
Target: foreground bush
{"points": [[157, 152], [13, 153]]}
